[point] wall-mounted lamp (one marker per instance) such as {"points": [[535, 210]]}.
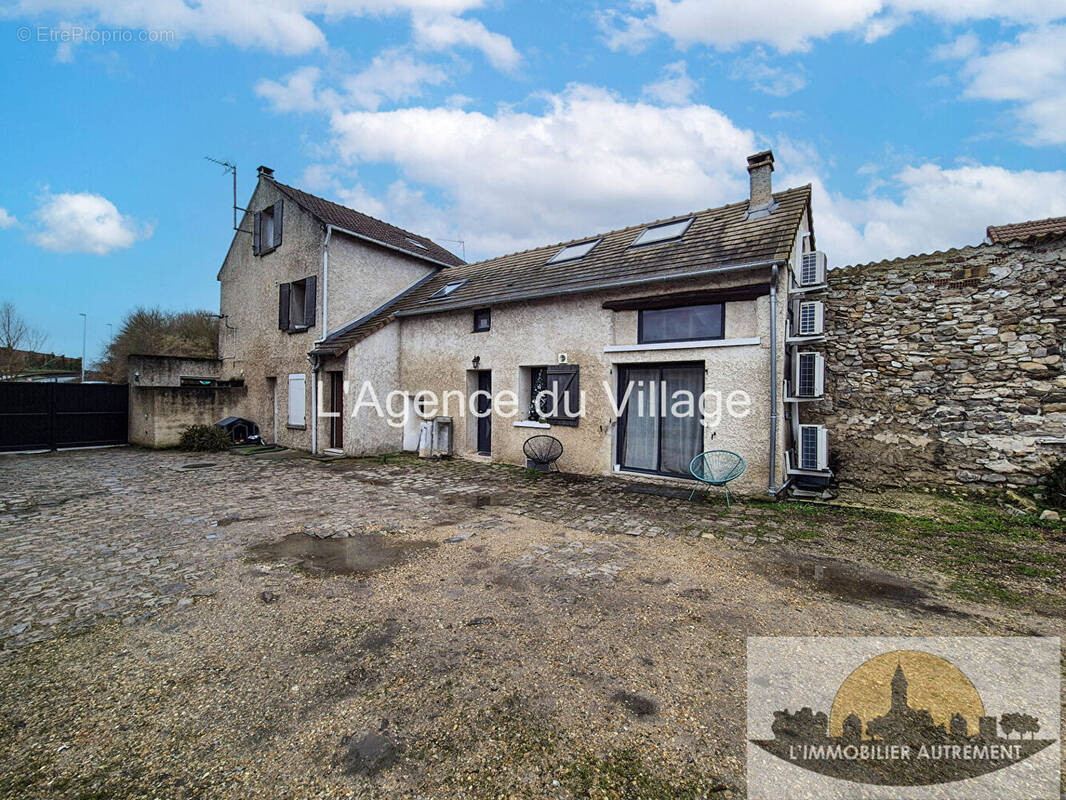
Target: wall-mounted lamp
{"points": [[476, 362]]}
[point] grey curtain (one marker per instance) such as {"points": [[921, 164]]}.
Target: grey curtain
{"points": [[641, 449], [681, 434]]}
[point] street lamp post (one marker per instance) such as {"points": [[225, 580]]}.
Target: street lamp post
{"points": [[84, 330]]}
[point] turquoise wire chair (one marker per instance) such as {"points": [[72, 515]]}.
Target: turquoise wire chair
{"points": [[717, 468]]}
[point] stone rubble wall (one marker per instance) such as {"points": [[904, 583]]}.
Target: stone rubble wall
{"points": [[946, 369]]}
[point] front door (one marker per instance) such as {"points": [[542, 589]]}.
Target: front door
{"points": [[658, 431], [336, 407], [484, 410]]}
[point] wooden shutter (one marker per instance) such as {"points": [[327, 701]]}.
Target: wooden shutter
{"points": [[310, 286], [564, 382], [277, 223], [258, 227], [283, 305]]}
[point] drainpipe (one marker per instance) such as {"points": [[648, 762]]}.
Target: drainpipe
{"points": [[773, 383], [325, 283], [315, 364]]}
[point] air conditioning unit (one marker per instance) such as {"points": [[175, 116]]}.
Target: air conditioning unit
{"points": [[564, 358], [812, 269], [813, 447], [810, 317], [808, 375], [442, 436]]}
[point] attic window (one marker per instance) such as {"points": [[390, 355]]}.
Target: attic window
{"points": [[572, 252], [416, 244], [663, 233], [446, 290]]}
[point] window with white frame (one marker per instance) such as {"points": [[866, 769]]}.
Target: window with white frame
{"points": [[297, 400]]}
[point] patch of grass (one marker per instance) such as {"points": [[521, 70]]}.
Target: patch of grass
{"points": [[1036, 572], [623, 774], [983, 591]]}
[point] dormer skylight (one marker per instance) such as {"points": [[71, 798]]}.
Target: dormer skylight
{"points": [[573, 252], [416, 244], [663, 233], [445, 290]]}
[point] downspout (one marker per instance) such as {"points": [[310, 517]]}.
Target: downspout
{"points": [[325, 284], [315, 365], [773, 383]]}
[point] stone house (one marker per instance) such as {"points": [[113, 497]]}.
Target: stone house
{"points": [[721, 302], [297, 267]]}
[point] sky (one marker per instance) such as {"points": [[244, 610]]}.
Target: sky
{"points": [[503, 124]]}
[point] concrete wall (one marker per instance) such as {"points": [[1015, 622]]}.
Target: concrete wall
{"points": [[160, 408], [436, 351], [946, 369], [251, 346]]}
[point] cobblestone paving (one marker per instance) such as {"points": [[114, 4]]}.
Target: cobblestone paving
{"points": [[125, 533]]}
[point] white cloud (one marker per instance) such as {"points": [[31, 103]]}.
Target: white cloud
{"points": [[443, 32], [764, 77], [960, 48], [296, 94], [84, 223], [393, 75], [283, 26], [1031, 72], [790, 26], [7, 220], [674, 86], [933, 208], [589, 162]]}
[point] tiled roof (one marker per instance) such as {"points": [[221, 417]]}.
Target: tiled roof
{"points": [[717, 239], [382, 232], [1052, 226]]}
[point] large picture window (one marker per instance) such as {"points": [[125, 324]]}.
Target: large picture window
{"points": [[688, 323]]}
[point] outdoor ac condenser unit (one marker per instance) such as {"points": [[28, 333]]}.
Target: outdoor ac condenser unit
{"points": [[442, 436], [812, 269]]}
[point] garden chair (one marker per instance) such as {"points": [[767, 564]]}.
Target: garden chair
{"points": [[717, 468], [542, 452]]}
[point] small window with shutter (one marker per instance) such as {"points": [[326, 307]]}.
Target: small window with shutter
{"points": [[297, 303], [564, 384], [266, 235]]}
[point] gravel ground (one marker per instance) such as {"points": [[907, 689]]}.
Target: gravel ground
{"points": [[462, 651]]}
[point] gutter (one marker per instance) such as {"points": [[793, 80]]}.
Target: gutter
{"points": [[555, 292], [315, 366]]}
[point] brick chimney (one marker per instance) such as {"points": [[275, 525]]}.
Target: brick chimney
{"points": [[760, 166], [267, 172]]}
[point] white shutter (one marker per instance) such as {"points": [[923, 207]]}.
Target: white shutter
{"points": [[297, 399]]}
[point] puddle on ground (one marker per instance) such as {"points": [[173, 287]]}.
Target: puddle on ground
{"points": [[851, 582], [360, 554]]}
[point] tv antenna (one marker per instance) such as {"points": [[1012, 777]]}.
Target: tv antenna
{"points": [[232, 170], [460, 242]]}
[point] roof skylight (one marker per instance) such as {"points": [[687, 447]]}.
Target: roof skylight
{"points": [[445, 290], [572, 252], [416, 243], [663, 233]]}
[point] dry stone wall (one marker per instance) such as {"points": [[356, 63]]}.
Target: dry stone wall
{"points": [[946, 369]]}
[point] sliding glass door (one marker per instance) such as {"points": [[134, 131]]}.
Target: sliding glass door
{"points": [[661, 429]]}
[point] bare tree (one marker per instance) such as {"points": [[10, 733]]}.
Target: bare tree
{"points": [[19, 343], [154, 332]]}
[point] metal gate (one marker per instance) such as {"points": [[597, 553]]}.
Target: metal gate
{"points": [[47, 416]]}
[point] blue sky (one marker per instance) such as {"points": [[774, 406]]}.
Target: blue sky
{"points": [[504, 124]]}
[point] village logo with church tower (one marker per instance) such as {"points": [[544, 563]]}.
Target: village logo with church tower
{"points": [[905, 718]]}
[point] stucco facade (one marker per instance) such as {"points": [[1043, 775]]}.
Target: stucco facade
{"points": [[252, 347]]}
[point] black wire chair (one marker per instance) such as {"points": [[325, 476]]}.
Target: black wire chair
{"points": [[543, 451]]}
